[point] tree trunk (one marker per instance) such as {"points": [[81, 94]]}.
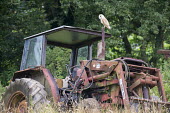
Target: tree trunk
{"points": [[69, 19], [143, 51], [127, 45], [159, 39]]}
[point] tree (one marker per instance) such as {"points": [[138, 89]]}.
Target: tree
{"points": [[139, 28], [56, 60], [18, 20]]}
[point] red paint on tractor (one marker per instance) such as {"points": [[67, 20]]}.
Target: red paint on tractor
{"points": [[53, 84]]}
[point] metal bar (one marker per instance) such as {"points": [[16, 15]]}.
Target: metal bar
{"points": [[134, 99], [145, 92], [150, 82], [143, 75], [103, 43], [123, 86], [73, 59], [154, 77], [101, 47], [145, 95], [135, 84], [142, 81], [135, 74], [97, 77], [25, 54], [163, 51], [44, 46], [147, 68], [160, 86], [90, 52], [135, 93], [53, 85], [134, 60]]}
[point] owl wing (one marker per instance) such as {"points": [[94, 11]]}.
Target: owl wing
{"points": [[101, 20], [105, 22]]}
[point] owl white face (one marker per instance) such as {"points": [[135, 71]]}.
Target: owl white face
{"points": [[100, 16]]}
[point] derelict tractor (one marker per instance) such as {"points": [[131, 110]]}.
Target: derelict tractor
{"points": [[122, 81]]}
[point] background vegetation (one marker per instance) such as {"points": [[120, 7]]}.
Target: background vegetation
{"points": [[139, 29]]}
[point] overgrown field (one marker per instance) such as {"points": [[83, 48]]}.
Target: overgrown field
{"points": [[51, 108], [2, 89], [54, 109]]}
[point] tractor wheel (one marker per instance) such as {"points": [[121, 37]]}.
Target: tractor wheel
{"points": [[22, 93]]}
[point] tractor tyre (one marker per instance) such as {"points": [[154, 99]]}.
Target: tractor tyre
{"points": [[23, 93]]}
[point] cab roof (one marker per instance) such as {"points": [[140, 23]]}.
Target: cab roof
{"points": [[68, 36]]}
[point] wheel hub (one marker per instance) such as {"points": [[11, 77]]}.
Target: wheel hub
{"points": [[17, 103], [22, 107]]}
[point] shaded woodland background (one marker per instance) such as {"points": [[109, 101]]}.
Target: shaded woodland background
{"points": [[139, 29]]}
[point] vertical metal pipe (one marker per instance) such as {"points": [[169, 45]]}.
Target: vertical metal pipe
{"points": [[145, 92], [146, 96], [90, 52], [44, 46], [101, 47], [103, 43], [160, 85]]}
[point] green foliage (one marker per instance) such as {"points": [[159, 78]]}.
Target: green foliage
{"points": [[2, 89], [56, 61], [18, 20], [165, 69], [82, 54], [147, 19]]}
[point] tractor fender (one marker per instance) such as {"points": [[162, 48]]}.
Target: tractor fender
{"points": [[43, 76]]}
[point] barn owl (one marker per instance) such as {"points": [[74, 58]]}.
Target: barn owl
{"points": [[104, 21]]}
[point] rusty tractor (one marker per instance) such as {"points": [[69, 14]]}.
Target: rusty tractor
{"points": [[122, 81]]}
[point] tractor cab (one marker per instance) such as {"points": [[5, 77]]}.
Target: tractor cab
{"points": [[73, 38], [77, 40]]}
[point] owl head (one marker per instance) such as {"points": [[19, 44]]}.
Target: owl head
{"points": [[101, 16]]}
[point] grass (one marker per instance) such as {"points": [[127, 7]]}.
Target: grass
{"points": [[52, 109], [2, 89]]}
